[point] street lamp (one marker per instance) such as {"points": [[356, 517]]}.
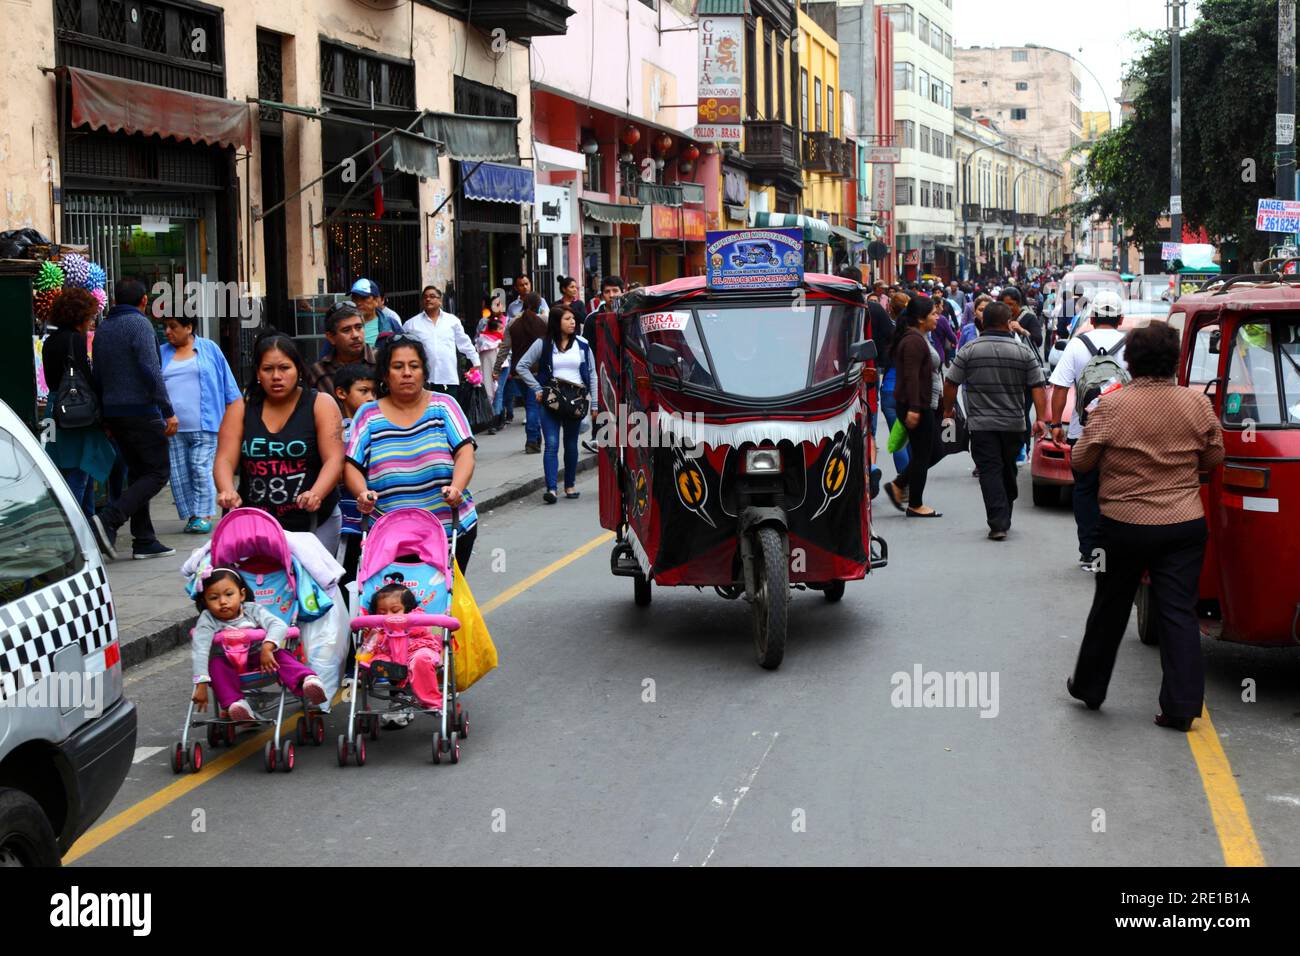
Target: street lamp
{"points": [[965, 223], [1015, 210]]}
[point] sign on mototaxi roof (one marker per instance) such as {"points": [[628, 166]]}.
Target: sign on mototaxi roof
{"points": [[755, 259]]}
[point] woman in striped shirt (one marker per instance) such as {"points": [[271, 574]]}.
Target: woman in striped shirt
{"points": [[413, 448]]}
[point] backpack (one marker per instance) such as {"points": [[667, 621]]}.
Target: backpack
{"points": [[74, 402], [1102, 369]]}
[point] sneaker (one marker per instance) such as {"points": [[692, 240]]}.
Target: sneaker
{"points": [[876, 475], [153, 549], [590, 445], [313, 689], [398, 720], [105, 537], [189, 526], [199, 526], [241, 710], [549, 497], [532, 448], [997, 536]]}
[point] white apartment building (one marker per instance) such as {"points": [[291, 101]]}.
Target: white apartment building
{"points": [[924, 182]]}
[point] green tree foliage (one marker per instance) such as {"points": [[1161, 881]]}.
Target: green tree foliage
{"points": [[1229, 90]]}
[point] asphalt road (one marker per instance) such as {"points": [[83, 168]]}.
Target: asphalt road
{"points": [[575, 758]]}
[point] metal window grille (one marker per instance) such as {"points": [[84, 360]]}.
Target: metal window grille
{"points": [[67, 15], [206, 51], [103, 222], [270, 73], [153, 32], [327, 70], [352, 77], [112, 20]]}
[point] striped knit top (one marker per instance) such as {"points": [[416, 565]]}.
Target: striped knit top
{"points": [[409, 466]]}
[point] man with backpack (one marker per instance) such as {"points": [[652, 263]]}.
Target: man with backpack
{"points": [[1091, 361]]}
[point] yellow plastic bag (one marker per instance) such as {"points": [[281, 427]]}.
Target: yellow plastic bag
{"points": [[475, 654]]}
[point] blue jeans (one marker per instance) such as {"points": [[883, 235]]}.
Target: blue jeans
{"points": [[551, 426], [532, 414], [901, 457], [82, 487]]}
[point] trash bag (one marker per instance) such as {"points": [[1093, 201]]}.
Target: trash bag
{"points": [[16, 243], [475, 654]]}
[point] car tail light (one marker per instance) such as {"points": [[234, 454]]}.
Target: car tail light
{"points": [[1246, 476], [112, 655]]}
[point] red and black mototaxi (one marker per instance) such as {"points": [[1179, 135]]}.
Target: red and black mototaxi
{"points": [[735, 445]]}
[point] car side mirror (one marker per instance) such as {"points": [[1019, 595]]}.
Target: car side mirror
{"points": [[863, 351], [663, 355]]}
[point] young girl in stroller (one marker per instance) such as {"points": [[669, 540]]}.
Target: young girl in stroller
{"points": [[422, 653], [226, 604]]}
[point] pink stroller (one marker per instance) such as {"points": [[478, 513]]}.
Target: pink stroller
{"points": [[408, 547], [253, 543]]}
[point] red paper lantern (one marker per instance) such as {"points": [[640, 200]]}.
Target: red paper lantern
{"points": [[664, 142], [691, 153], [631, 136]]}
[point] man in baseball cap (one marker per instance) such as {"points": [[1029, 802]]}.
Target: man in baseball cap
{"points": [[368, 297]]}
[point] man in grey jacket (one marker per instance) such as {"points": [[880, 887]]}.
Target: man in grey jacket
{"points": [[139, 416]]}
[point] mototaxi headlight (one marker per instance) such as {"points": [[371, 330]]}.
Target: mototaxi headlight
{"points": [[763, 461]]}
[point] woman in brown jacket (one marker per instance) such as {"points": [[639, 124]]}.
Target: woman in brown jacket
{"points": [[917, 390], [1151, 440]]}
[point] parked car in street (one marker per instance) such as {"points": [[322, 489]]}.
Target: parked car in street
{"points": [[67, 734]]}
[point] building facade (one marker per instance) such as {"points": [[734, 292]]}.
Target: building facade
{"points": [[284, 148], [1004, 201], [1032, 93], [924, 183]]}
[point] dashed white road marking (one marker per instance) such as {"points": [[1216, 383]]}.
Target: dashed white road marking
{"points": [[719, 803]]}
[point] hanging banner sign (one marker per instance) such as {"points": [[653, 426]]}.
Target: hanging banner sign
{"points": [[722, 56], [882, 187], [1277, 215], [755, 259]]}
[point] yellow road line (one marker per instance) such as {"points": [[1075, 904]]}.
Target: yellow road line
{"points": [[514, 591], [150, 805], [1231, 821]]}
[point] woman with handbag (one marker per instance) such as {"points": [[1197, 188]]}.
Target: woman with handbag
{"points": [[560, 369], [80, 449]]}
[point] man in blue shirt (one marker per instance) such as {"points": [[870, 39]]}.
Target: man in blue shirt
{"points": [[138, 414]]}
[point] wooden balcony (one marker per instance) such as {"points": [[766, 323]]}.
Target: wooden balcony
{"points": [[818, 152], [773, 149]]}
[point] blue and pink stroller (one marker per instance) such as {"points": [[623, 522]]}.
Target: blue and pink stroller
{"points": [[253, 543], [407, 547]]}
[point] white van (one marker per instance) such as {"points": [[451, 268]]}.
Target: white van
{"points": [[67, 735]]}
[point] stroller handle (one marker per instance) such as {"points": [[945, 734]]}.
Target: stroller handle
{"points": [[252, 633], [404, 622]]}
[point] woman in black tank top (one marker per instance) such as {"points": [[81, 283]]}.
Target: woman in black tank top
{"points": [[284, 440]]}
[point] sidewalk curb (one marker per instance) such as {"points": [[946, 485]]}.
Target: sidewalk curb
{"points": [[170, 631]]}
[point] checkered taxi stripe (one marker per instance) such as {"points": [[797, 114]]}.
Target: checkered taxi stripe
{"points": [[35, 628]]}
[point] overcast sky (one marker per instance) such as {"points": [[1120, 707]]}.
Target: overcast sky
{"points": [[1099, 27]]}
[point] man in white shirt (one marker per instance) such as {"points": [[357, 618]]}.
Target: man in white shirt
{"points": [[442, 336], [1107, 313]]}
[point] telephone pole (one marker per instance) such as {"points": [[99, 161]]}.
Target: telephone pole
{"points": [[1284, 175], [1177, 11]]}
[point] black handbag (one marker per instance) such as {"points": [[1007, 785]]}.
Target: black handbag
{"points": [[566, 399], [74, 403], [951, 435]]}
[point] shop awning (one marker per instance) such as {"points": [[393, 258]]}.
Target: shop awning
{"points": [[128, 106], [814, 230], [477, 138], [497, 183], [613, 213], [848, 235], [552, 159], [654, 194], [738, 213], [415, 154]]}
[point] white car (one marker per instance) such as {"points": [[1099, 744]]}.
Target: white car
{"points": [[67, 735], [1142, 312]]}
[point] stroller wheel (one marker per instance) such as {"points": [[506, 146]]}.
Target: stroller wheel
{"points": [[215, 735], [455, 747], [196, 757], [230, 735], [318, 730], [343, 750], [462, 722], [373, 727], [360, 748], [437, 748], [300, 732], [268, 757], [286, 756], [178, 758]]}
